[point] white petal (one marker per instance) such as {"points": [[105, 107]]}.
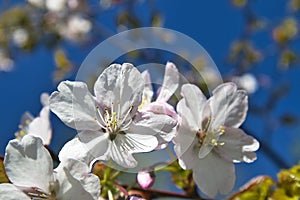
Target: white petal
{"points": [[40, 126], [147, 123], [229, 105], [74, 105], [211, 133], [213, 174], [187, 114], [161, 108], [76, 150], [238, 146], [205, 150], [120, 84], [164, 138], [76, 181], [137, 143], [194, 100], [121, 156], [11, 192], [96, 143], [148, 90], [45, 99], [170, 83], [185, 146], [28, 163]]}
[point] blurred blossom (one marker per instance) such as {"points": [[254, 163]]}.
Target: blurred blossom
{"points": [[244, 54], [239, 3], [37, 3], [73, 4], [6, 64], [288, 57], [295, 5], [20, 37], [79, 25], [247, 82], [76, 28], [286, 31], [56, 5], [105, 3]]}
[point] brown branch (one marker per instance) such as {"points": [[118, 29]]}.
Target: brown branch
{"points": [[153, 193]]}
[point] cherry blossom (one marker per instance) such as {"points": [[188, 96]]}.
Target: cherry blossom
{"points": [[209, 140], [39, 126], [160, 105], [29, 167], [109, 124]]}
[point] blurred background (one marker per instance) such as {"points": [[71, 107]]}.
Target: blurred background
{"points": [[254, 43]]}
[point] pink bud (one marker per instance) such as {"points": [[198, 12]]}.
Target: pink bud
{"points": [[145, 179]]}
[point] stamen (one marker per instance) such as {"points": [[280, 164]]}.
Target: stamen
{"points": [[107, 116], [222, 130], [126, 126], [103, 127], [119, 111], [112, 108], [113, 122], [214, 142], [126, 115], [35, 193]]}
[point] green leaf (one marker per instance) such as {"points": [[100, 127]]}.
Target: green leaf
{"points": [[280, 194], [3, 177], [63, 65], [289, 181], [183, 179], [259, 188]]}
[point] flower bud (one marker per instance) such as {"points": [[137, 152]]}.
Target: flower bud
{"points": [[145, 179]]}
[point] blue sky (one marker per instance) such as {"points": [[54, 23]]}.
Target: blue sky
{"points": [[214, 24]]}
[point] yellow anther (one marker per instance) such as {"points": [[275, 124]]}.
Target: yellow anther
{"points": [[22, 133], [222, 130], [221, 143], [214, 142], [27, 121]]}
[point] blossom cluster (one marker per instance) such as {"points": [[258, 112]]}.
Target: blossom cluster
{"points": [[119, 120]]}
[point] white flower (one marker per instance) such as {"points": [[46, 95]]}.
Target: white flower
{"points": [[109, 124], [20, 37], [39, 126], [209, 140], [160, 105], [56, 5], [78, 25], [37, 3], [28, 165], [76, 28], [6, 64], [247, 82]]}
